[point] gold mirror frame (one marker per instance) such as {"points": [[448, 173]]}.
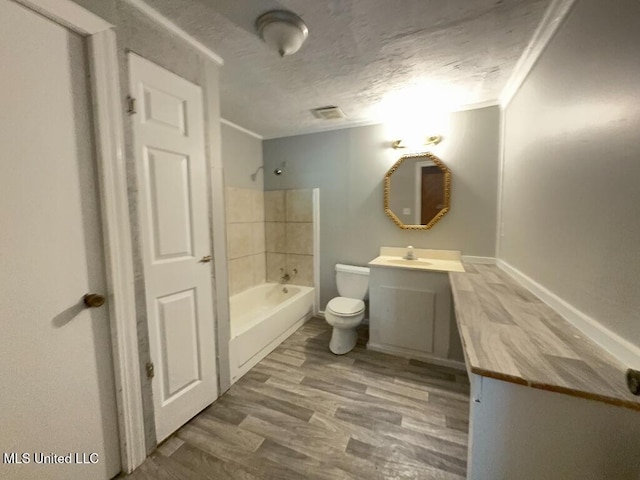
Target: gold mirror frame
{"points": [[447, 191]]}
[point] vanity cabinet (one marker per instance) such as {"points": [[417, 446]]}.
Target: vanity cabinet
{"points": [[410, 312]]}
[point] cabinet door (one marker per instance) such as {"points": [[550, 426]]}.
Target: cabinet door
{"points": [[408, 317], [410, 312]]}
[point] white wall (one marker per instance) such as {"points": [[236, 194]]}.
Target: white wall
{"points": [[241, 156], [571, 198]]}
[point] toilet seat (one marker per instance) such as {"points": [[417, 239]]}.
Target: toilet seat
{"points": [[345, 307]]}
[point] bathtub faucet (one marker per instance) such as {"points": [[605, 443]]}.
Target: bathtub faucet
{"points": [[285, 276]]}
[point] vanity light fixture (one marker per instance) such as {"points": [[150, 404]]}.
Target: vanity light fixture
{"points": [[282, 30], [432, 140]]}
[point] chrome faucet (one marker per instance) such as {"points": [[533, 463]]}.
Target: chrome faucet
{"points": [[285, 276]]}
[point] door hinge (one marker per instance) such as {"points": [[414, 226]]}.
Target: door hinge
{"points": [[150, 371], [131, 105]]}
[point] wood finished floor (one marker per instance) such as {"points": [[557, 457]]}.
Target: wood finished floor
{"points": [[304, 413]]}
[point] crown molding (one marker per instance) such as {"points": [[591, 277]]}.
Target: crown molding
{"points": [[241, 129], [476, 106], [365, 123], [553, 18]]}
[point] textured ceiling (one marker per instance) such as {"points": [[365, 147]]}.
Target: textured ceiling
{"points": [[359, 52]]}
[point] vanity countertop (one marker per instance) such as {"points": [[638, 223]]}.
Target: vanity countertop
{"points": [[509, 334], [426, 259]]}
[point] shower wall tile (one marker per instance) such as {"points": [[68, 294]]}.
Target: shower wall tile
{"points": [[259, 268], [304, 265], [246, 242], [258, 237], [299, 205], [239, 240], [269, 233], [300, 238], [241, 274], [257, 205], [274, 210], [276, 237], [275, 262]]}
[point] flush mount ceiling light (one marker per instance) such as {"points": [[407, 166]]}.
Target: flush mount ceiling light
{"points": [[282, 30]]}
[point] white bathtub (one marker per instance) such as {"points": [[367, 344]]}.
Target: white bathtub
{"points": [[262, 318]]}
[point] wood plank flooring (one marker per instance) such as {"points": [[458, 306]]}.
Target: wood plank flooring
{"points": [[304, 413]]}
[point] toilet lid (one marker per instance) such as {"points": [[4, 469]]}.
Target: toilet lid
{"points": [[345, 306]]}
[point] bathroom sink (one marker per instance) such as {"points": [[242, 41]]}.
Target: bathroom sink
{"points": [[427, 259]]}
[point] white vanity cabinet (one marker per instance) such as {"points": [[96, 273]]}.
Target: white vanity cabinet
{"points": [[410, 312]]}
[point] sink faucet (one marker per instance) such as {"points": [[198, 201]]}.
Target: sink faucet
{"points": [[410, 255]]}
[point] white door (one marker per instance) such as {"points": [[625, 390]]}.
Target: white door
{"points": [[57, 393], [175, 236]]}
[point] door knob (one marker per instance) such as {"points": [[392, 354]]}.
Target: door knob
{"points": [[205, 259], [93, 300]]}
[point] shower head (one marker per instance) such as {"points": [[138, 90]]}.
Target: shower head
{"points": [[254, 175]]}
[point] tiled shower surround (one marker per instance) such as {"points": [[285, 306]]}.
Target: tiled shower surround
{"points": [[289, 235], [245, 238], [266, 232]]}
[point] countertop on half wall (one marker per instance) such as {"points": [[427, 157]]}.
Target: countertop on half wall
{"points": [[509, 334]]}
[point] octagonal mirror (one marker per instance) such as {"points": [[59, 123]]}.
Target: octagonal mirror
{"points": [[417, 191]]}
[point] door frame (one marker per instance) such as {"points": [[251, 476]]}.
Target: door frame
{"points": [[418, 189], [114, 206]]}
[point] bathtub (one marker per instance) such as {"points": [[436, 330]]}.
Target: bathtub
{"points": [[262, 318]]}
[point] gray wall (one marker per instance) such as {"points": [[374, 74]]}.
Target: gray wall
{"points": [[241, 156], [349, 167], [571, 201]]}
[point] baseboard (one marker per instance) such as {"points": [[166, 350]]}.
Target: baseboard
{"points": [[320, 314], [481, 260], [613, 343], [423, 357]]}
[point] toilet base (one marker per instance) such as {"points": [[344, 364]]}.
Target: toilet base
{"points": [[343, 340]]}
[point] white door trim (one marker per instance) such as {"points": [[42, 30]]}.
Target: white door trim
{"points": [[107, 111]]}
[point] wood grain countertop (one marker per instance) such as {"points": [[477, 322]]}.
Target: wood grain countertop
{"points": [[509, 334]]}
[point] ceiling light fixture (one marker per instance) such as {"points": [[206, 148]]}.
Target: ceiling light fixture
{"points": [[434, 139], [282, 30]]}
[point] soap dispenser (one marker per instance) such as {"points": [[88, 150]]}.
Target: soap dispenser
{"points": [[410, 255]]}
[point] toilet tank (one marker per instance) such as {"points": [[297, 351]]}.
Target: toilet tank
{"points": [[353, 282]]}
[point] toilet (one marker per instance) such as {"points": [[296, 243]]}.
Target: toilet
{"points": [[346, 312]]}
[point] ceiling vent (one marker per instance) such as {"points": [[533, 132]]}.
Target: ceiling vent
{"points": [[330, 112]]}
